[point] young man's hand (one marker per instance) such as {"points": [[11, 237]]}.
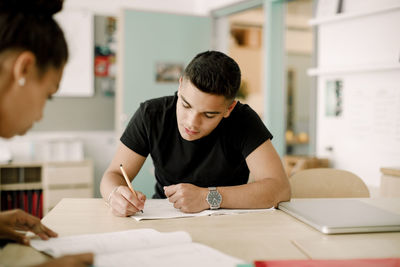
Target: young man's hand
{"points": [[124, 203], [78, 260], [187, 197], [13, 220]]}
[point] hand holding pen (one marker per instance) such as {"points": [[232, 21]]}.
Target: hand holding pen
{"points": [[128, 182], [124, 200]]}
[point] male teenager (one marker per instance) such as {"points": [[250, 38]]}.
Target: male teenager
{"points": [[203, 144]]}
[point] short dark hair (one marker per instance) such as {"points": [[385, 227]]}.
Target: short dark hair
{"points": [[214, 72], [29, 25]]}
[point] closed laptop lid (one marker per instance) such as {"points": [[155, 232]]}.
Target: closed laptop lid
{"points": [[332, 216]]}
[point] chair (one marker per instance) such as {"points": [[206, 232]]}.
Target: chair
{"points": [[327, 183]]}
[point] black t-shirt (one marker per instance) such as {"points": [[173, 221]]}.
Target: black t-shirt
{"points": [[214, 160]]}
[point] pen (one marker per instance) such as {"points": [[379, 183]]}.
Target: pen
{"points": [[128, 182]]}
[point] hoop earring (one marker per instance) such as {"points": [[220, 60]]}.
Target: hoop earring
{"points": [[21, 81]]}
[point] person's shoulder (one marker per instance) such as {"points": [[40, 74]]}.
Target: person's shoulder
{"points": [[243, 112]]}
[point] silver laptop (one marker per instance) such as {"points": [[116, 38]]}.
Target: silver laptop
{"points": [[334, 216]]}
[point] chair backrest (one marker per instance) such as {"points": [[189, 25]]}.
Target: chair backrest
{"points": [[327, 183]]}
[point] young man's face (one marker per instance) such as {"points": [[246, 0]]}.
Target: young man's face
{"points": [[199, 113]]}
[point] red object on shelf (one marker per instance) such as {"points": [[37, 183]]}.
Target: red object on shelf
{"points": [[101, 66], [34, 201], [40, 210], [26, 207]]}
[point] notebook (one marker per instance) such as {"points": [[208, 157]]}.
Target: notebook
{"points": [[155, 209], [334, 216]]}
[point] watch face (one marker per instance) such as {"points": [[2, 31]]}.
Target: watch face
{"points": [[214, 198]]}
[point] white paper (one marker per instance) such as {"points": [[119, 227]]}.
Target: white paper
{"points": [[163, 209], [192, 254], [109, 242], [140, 247]]}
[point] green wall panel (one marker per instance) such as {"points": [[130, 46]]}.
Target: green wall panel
{"points": [[151, 38]]}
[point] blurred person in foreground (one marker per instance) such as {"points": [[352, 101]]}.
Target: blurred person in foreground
{"points": [[33, 53]]}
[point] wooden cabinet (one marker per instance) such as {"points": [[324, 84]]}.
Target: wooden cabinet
{"points": [[38, 187]]}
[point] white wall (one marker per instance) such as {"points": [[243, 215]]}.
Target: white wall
{"points": [[363, 52], [108, 7]]}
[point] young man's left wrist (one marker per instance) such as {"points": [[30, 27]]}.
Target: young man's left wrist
{"points": [[204, 198]]}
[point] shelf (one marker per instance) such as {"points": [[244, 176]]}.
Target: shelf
{"points": [[344, 16], [293, 143], [20, 164], [50, 180], [355, 69], [24, 186], [69, 186]]}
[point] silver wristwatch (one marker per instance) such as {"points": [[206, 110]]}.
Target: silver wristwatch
{"points": [[214, 198]]}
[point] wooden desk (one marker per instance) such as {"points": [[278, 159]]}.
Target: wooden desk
{"points": [[268, 235]]}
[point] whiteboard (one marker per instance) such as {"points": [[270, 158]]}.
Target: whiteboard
{"points": [[366, 136], [78, 78]]}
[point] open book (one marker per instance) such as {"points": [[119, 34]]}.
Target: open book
{"points": [[163, 209], [141, 247]]}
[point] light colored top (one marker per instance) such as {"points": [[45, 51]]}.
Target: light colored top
{"points": [[252, 236]]}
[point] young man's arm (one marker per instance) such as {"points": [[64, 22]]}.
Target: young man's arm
{"points": [[271, 186], [113, 187]]}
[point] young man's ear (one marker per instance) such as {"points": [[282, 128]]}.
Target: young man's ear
{"points": [[24, 66], [180, 82], [230, 108]]}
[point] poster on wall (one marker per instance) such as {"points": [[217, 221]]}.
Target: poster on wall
{"points": [[334, 98], [168, 72], [78, 75]]}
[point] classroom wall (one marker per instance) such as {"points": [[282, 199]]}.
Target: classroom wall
{"points": [[362, 52], [78, 114], [107, 7]]}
